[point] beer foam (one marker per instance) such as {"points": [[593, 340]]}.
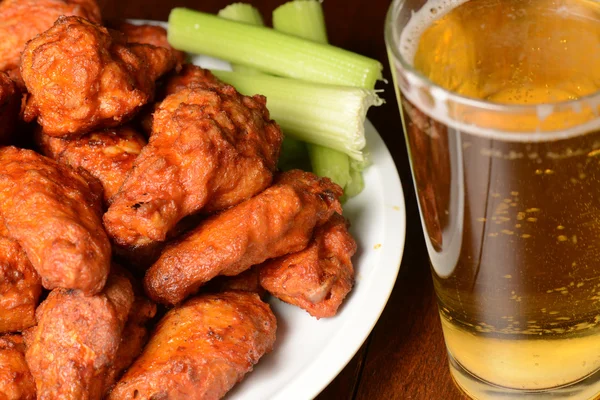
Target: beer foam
{"points": [[420, 21], [409, 40]]}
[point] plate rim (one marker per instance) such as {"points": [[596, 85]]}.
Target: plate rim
{"points": [[312, 381]]}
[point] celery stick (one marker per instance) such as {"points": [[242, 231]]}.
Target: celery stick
{"points": [[330, 163], [269, 50], [302, 18], [242, 12], [332, 116], [293, 155], [356, 183]]}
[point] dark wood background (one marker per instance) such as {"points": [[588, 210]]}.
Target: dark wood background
{"points": [[404, 357]]}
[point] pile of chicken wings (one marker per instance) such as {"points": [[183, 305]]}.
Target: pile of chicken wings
{"points": [[143, 220]]}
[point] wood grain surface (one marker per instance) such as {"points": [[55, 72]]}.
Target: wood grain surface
{"points": [[404, 357]]}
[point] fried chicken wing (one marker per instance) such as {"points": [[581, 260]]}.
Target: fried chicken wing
{"points": [[20, 285], [133, 337], [210, 149], [10, 106], [191, 75], [76, 339], [54, 214], [22, 20], [107, 155], [16, 382], [149, 34], [201, 349], [319, 277], [276, 222], [247, 281], [82, 78]]}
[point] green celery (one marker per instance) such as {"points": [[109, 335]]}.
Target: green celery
{"points": [[270, 51], [330, 163], [293, 155], [304, 18], [242, 12], [331, 116]]}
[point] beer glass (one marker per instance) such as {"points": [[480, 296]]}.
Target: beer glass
{"points": [[500, 103]]}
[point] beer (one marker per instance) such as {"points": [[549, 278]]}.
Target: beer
{"points": [[512, 219]]}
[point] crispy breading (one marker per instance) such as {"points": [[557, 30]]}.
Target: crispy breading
{"points": [[82, 77], [16, 382], [210, 149], [20, 285], [10, 106], [276, 222], [22, 20], [201, 349], [107, 155], [54, 214], [76, 339], [149, 34], [319, 277]]}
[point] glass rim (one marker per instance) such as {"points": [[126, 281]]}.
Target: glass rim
{"points": [[466, 100]]}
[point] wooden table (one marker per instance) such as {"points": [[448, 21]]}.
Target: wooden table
{"points": [[404, 357]]}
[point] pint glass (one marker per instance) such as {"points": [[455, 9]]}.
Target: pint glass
{"points": [[500, 102]]}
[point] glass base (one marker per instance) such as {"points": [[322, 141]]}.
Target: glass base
{"points": [[587, 388]]}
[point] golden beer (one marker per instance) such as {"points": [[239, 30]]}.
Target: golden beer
{"points": [[509, 189]]}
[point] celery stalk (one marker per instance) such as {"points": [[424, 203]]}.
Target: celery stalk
{"points": [[269, 50], [293, 155], [302, 18], [332, 116], [242, 12], [330, 163]]}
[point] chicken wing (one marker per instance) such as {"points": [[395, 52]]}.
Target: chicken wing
{"points": [[10, 106], [54, 214], [75, 342], [149, 34], [134, 335], [107, 155], [22, 20], [319, 277], [276, 222], [201, 349], [16, 382], [247, 281], [210, 149], [82, 78], [20, 286], [191, 75]]}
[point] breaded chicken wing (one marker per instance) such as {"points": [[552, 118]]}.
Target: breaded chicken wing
{"points": [[22, 20], [149, 34], [247, 281], [10, 106], [82, 78], [276, 222], [134, 335], [76, 339], [20, 286], [201, 349], [107, 155], [319, 277], [54, 214], [191, 75], [210, 149], [16, 382]]}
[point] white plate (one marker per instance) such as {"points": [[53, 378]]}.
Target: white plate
{"points": [[309, 353]]}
